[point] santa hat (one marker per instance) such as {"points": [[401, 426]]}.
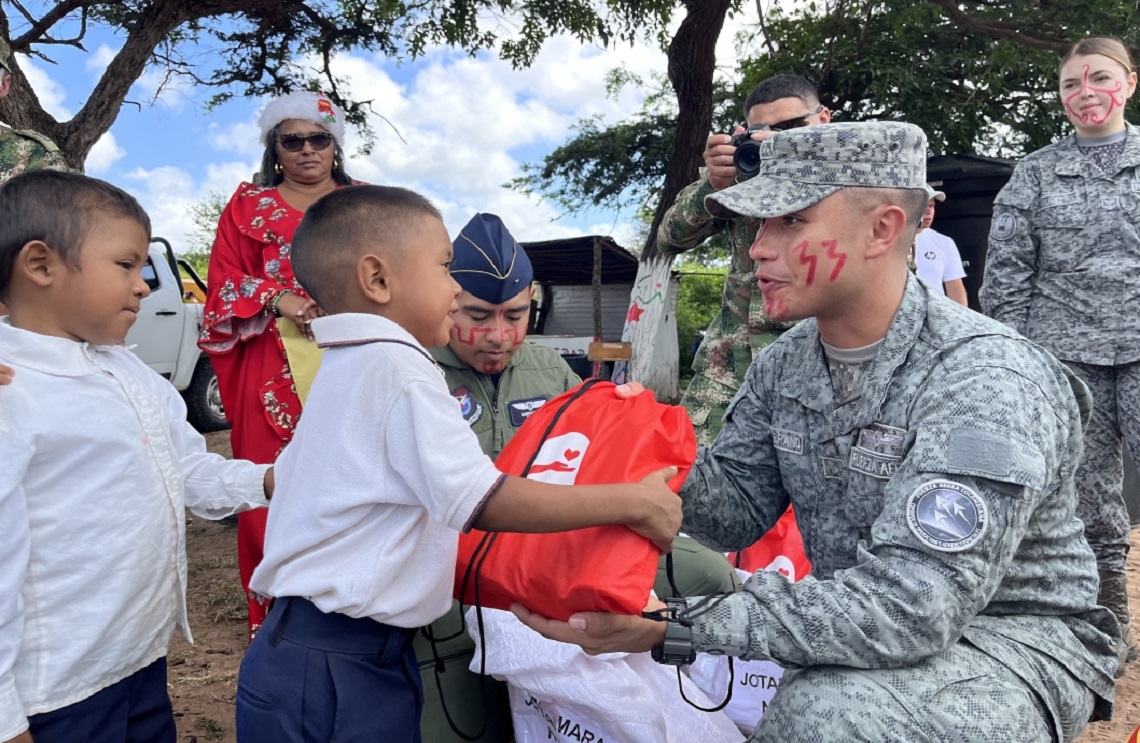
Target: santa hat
{"points": [[306, 106]]}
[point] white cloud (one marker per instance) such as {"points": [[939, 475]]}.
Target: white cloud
{"points": [[103, 155], [97, 63], [50, 93], [466, 123]]}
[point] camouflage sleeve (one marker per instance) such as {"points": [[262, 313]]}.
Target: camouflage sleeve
{"points": [[734, 493], [687, 224], [1011, 258], [980, 455]]}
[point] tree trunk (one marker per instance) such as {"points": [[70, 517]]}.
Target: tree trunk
{"points": [[692, 63]]}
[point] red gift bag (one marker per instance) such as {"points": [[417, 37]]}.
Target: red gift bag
{"points": [[586, 436], [780, 550]]}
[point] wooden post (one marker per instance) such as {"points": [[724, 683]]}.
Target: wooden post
{"points": [[596, 285]]}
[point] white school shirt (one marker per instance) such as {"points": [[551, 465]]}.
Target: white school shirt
{"points": [[97, 465], [937, 258], [381, 476]]}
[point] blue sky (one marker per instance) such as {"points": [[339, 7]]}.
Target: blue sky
{"points": [[468, 125]]}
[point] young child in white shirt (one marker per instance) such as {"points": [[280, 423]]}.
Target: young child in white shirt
{"points": [[97, 466], [381, 476]]}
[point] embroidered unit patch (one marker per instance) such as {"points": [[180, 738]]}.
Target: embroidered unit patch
{"points": [[946, 515]]}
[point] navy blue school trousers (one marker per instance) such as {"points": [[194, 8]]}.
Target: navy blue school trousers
{"points": [[134, 710], [311, 677]]}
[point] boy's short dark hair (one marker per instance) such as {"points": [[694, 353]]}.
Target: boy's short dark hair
{"points": [[58, 208], [338, 227], [782, 86]]}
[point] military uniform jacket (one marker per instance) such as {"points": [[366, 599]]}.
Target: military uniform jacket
{"points": [[1063, 266], [935, 507], [534, 375], [738, 329], [24, 150]]}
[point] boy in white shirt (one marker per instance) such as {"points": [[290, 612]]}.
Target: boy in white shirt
{"points": [[936, 255], [382, 475], [97, 466]]}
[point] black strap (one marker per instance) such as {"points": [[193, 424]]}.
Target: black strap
{"points": [[474, 570]]}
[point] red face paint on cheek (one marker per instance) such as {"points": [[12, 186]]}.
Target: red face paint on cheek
{"points": [[839, 258], [775, 309], [469, 336], [800, 250]]}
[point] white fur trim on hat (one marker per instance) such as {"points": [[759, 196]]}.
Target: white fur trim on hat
{"points": [[306, 106]]}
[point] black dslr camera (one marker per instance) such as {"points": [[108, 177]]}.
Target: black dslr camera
{"points": [[747, 155]]}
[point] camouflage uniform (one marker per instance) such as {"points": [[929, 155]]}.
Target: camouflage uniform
{"points": [[740, 329], [24, 150], [953, 406], [1062, 270]]}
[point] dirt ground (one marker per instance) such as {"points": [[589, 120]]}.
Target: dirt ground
{"points": [[203, 676]]}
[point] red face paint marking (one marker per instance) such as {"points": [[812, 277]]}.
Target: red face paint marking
{"points": [[808, 260], [839, 258], [472, 335], [775, 308], [1115, 99]]}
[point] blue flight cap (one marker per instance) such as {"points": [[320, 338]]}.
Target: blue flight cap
{"points": [[489, 262]]}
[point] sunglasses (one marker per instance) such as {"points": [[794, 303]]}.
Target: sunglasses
{"points": [[795, 123], [296, 142]]}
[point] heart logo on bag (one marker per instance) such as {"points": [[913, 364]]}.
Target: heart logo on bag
{"points": [[559, 458]]}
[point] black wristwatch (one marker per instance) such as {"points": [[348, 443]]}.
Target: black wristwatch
{"points": [[677, 649]]}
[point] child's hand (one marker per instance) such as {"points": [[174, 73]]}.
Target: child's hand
{"points": [[660, 521], [6, 374], [24, 737], [268, 484]]}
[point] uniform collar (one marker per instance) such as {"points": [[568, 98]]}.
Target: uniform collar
{"points": [[49, 354], [807, 378], [1070, 161]]}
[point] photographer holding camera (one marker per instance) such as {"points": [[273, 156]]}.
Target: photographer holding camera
{"points": [[741, 328]]}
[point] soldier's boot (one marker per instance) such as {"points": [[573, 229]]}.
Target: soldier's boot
{"points": [[1114, 597]]}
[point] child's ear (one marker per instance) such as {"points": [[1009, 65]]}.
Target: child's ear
{"points": [[38, 263], [374, 277]]}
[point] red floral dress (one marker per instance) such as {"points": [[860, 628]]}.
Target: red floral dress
{"points": [[249, 268]]}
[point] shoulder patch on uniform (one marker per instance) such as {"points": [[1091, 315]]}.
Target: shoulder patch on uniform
{"points": [[946, 516], [1004, 226], [469, 407]]}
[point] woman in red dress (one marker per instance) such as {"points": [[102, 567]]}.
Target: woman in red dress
{"points": [[251, 284]]}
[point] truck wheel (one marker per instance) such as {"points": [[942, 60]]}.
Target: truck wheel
{"points": [[204, 400]]}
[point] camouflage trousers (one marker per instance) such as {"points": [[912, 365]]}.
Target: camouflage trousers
{"points": [[707, 399], [1100, 477], [961, 695]]}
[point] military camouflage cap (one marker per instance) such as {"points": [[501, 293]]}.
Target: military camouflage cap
{"points": [[5, 54], [802, 166]]}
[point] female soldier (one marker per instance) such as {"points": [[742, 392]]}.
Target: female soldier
{"points": [[1063, 269]]}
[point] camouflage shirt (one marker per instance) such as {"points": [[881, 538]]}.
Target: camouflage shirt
{"points": [[1063, 266], [936, 505], [23, 150], [741, 328]]}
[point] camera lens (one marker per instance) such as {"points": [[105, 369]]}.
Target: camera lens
{"points": [[747, 159]]}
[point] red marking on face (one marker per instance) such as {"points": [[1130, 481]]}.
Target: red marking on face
{"points": [[809, 260], [1115, 99], [839, 258], [775, 308], [473, 334]]}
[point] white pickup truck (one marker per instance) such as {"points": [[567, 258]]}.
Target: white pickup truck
{"points": [[165, 335]]}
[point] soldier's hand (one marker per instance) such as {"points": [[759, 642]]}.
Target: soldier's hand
{"points": [[628, 390], [718, 158], [596, 632], [659, 509]]}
